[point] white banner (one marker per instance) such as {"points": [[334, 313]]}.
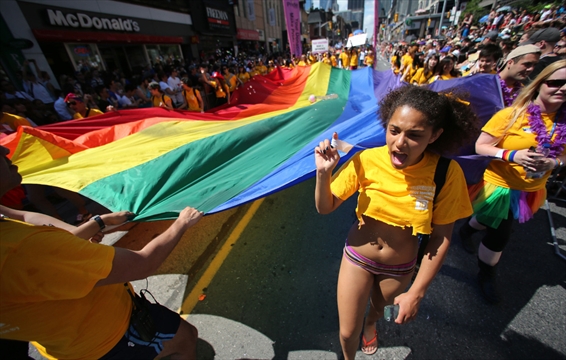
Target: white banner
{"points": [[319, 46]]}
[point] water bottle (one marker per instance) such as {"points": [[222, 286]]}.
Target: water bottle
{"points": [[543, 149]]}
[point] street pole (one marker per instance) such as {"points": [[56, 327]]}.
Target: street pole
{"points": [[441, 17]]}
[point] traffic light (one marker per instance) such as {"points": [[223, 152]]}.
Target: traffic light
{"points": [[448, 15], [396, 17], [428, 23], [330, 25]]}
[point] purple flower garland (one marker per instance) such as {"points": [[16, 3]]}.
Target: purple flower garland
{"points": [[542, 136], [509, 95]]}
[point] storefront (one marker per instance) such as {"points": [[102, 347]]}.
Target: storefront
{"points": [[248, 40], [215, 26], [76, 39]]}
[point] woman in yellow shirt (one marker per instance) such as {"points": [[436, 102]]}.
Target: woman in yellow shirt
{"points": [[77, 104], [515, 186], [445, 70], [354, 59], [396, 62], [243, 75], [304, 61], [345, 58], [396, 199], [369, 59], [423, 74], [192, 99], [411, 69]]}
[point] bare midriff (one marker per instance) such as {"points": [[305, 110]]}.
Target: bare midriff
{"points": [[383, 243]]}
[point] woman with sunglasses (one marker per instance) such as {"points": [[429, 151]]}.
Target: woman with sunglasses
{"points": [[528, 138]]}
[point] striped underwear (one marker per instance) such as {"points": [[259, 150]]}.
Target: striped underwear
{"points": [[376, 268]]}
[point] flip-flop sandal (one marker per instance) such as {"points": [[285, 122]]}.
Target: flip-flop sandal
{"points": [[366, 343]]}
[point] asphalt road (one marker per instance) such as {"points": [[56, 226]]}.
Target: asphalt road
{"points": [[275, 295]]}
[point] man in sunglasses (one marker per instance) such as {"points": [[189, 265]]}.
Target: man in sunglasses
{"points": [[81, 109], [544, 39]]}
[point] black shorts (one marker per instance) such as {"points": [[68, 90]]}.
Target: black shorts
{"points": [[132, 347]]}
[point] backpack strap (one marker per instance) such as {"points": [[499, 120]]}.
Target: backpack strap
{"points": [[87, 111], [439, 180]]}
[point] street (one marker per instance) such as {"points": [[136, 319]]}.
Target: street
{"points": [[274, 297]]}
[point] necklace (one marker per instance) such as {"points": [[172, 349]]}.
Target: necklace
{"points": [[509, 95], [542, 136]]}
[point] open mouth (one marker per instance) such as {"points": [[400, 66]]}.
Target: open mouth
{"points": [[398, 158]]}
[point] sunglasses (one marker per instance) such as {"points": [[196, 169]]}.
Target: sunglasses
{"points": [[71, 103], [558, 83]]}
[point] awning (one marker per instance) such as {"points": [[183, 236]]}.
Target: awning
{"points": [[245, 34], [105, 37]]}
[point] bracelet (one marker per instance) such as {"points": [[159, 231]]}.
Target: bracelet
{"points": [[100, 222], [508, 155]]}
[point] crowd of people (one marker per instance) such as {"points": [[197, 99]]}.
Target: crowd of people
{"points": [[409, 194]]}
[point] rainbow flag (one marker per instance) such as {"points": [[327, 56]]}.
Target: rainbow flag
{"points": [[154, 162]]}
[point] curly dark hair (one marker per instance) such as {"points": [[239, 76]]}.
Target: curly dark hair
{"points": [[443, 111]]}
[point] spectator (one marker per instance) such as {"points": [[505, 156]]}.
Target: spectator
{"points": [[175, 84], [33, 87], [11, 93], [96, 79], [142, 92], [517, 67], [488, 57], [103, 101], [60, 106], [544, 39]]}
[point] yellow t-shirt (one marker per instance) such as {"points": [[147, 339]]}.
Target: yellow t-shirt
{"points": [[231, 81], [244, 77], [406, 61], [333, 60], [48, 293], [192, 100], [89, 113], [402, 197], [354, 59], [509, 174], [440, 77], [13, 121], [345, 59], [420, 78], [394, 64], [369, 59], [254, 72], [156, 100]]}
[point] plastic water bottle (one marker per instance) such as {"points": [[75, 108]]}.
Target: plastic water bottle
{"points": [[543, 149]]}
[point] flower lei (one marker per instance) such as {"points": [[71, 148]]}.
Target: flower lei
{"points": [[542, 136], [509, 95]]}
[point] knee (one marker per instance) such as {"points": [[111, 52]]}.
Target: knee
{"points": [[348, 335]]}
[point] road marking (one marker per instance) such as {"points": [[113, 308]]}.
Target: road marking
{"points": [[192, 299]]}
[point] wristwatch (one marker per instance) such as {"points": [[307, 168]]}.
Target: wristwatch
{"points": [[100, 222]]}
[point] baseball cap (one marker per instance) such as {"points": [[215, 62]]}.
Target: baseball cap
{"points": [[550, 34], [72, 96], [492, 35], [217, 75], [522, 50], [154, 85]]}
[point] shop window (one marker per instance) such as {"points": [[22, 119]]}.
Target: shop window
{"points": [[163, 53], [85, 56]]}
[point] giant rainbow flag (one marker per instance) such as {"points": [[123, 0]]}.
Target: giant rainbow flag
{"points": [[154, 162]]}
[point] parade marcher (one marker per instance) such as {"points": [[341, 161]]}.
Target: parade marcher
{"points": [[544, 39], [345, 59], [407, 59], [353, 58], [529, 138], [303, 61], [333, 60], [79, 106], [445, 70], [158, 98], [518, 65], [93, 313], [231, 79], [396, 61], [395, 205], [424, 74], [192, 99], [243, 75], [415, 65], [369, 59]]}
